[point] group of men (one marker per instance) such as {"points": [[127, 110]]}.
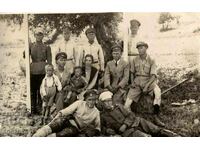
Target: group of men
{"points": [[124, 84]]}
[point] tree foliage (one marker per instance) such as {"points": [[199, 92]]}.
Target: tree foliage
{"points": [[12, 18], [165, 18], [106, 25]]}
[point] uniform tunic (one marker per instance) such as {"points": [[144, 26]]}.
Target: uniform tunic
{"points": [[96, 51], [117, 76], [115, 118], [83, 115], [72, 56], [143, 70]]}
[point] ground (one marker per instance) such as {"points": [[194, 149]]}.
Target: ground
{"points": [[175, 63]]}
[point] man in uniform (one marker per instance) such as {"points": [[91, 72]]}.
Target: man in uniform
{"points": [[117, 75], [40, 56], [94, 49], [144, 80], [115, 119], [80, 117], [68, 46], [133, 39]]}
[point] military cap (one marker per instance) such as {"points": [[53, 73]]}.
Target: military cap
{"points": [[116, 47], [90, 30], [61, 55], [107, 95], [90, 94], [39, 30], [141, 44], [134, 21]]}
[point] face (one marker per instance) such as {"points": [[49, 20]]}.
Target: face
{"points": [[117, 55], [91, 36], [88, 61], [61, 62], [67, 35], [78, 72], [134, 29], [39, 37], [142, 50], [49, 71], [90, 101], [108, 104]]}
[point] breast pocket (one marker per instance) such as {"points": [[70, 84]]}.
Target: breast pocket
{"points": [[137, 68], [147, 68]]}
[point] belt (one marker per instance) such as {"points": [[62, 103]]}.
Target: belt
{"points": [[142, 76], [70, 59], [95, 62]]}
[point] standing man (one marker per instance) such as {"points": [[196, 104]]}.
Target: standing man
{"points": [[144, 80], [40, 56], [80, 117], [68, 46], [133, 39], [94, 49], [117, 75]]}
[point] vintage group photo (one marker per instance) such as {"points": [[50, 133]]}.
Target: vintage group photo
{"points": [[112, 74]]}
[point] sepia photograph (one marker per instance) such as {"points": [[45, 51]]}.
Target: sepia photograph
{"points": [[106, 74]]}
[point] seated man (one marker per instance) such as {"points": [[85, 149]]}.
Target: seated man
{"points": [[117, 75], [81, 117], [115, 119], [144, 80]]}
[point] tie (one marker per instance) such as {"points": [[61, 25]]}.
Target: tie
{"points": [[116, 63]]}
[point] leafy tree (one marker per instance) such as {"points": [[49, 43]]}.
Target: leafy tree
{"points": [[105, 24], [165, 19], [12, 18]]}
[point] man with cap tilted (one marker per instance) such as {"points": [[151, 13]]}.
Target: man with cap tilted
{"points": [[79, 117], [68, 46], [115, 119], [94, 49], [117, 75], [144, 80], [40, 55]]}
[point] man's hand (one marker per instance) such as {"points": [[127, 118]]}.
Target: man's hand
{"points": [[145, 90], [123, 128]]}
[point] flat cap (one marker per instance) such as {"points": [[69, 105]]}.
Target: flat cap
{"points": [[134, 22], [90, 30], [107, 95], [61, 55], [116, 47], [141, 44]]}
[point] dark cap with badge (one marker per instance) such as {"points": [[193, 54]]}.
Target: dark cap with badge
{"points": [[142, 44], [90, 30], [92, 94], [61, 55], [116, 47], [134, 22]]}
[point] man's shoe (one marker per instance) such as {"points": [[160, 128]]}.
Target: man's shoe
{"points": [[168, 133], [158, 122]]}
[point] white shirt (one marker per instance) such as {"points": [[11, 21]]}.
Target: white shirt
{"points": [[83, 114], [95, 50], [49, 82]]}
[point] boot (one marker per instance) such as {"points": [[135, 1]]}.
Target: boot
{"points": [[157, 120], [43, 132], [168, 133]]}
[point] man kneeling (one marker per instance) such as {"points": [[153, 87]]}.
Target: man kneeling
{"points": [[81, 117]]}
